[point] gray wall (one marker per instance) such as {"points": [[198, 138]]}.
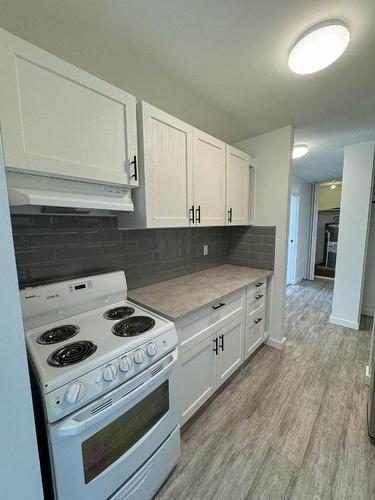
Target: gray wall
{"points": [[50, 248]]}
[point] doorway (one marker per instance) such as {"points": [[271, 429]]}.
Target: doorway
{"points": [[292, 241]]}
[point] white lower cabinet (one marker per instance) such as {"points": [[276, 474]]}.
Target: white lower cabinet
{"points": [[206, 365], [230, 341], [197, 377], [214, 341]]}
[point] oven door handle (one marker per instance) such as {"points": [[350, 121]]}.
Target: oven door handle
{"points": [[72, 427]]}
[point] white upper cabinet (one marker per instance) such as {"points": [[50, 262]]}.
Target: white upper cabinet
{"points": [[60, 121], [164, 198], [208, 179], [237, 187]]}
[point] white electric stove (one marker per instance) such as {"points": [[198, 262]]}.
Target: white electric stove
{"points": [[105, 369]]}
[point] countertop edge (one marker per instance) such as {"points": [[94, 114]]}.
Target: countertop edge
{"points": [[267, 274]]}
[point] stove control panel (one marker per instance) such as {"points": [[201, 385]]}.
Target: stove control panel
{"points": [[96, 383]]}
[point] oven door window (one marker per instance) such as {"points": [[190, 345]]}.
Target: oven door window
{"points": [[114, 440]]}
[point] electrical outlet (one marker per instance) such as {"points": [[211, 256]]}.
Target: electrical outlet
{"points": [[205, 249]]}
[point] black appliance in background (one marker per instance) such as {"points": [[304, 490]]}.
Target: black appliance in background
{"points": [[331, 235]]}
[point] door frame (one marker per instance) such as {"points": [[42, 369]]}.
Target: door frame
{"points": [[291, 277]]}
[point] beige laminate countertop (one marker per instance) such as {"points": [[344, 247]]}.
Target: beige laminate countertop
{"points": [[180, 296]]}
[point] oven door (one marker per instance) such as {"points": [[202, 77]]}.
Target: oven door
{"points": [[95, 450]]}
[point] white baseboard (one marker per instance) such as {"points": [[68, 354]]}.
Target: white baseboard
{"points": [[299, 279], [367, 375], [368, 311], [354, 325], [276, 343]]}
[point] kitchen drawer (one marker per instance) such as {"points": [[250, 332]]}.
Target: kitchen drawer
{"points": [[200, 324], [256, 316], [255, 302], [253, 334]]}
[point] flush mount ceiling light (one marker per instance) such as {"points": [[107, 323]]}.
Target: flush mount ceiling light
{"points": [[300, 150], [333, 186], [319, 46]]}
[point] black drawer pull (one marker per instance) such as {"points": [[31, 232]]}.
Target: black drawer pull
{"points": [[259, 284], [230, 215], [216, 350], [258, 296], [256, 321], [221, 337], [198, 214], [134, 162], [221, 304], [191, 213]]}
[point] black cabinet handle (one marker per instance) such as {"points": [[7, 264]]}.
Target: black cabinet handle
{"points": [[221, 337], [191, 213], [256, 321], [221, 304], [259, 284], [134, 162], [198, 214], [216, 350], [259, 296], [230, 214]]}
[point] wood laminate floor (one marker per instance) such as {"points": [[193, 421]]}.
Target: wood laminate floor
{"points": [[289, 425]]}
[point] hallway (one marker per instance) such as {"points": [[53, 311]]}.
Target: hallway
{"points": [[289, 425]]}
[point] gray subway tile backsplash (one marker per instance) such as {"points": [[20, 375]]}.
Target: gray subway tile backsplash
{"points": [[50, 248]]}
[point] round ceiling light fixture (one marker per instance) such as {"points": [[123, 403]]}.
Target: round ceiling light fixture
{"points": [[300, 150], [319, 46]]}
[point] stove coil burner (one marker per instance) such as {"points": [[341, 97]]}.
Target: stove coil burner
{"points": [[70, 354], [58, 334], [119, 312], [133, 326]]}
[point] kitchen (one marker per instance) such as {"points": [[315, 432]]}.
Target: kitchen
{"points": [[151, 261]]}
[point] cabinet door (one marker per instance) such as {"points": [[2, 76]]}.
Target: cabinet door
{"points": [[254, 331], [61, 121], [197, 377], [237, 187], [230, 348], [209, 179], [167, 168]]}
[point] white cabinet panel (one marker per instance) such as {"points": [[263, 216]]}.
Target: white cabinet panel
{"points": [[59, 120], [254, 330], [197, 377], [167, 168], [237, 187], [209, 179], [230, 348]]}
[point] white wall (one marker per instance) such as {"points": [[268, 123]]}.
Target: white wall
{"points": [[368, 296], [299, 187], [272, 152], [354, 223], [19, 461]]}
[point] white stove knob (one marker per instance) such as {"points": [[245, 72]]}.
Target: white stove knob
{"points": [[110, 373], [126, 363], [139, 356], [74, 393], [152, 349]]}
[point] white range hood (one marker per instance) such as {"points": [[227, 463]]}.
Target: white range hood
{"points": [[34, 193]]}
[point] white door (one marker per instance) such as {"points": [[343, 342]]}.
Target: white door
{"points": [[167, 163], [197, 377], [230, 348], [254, 331], [237, 187], [209, 179], [292, 242], [61, 121]]}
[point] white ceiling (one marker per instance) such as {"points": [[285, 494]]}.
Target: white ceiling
{"points": [[220, 64]]}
